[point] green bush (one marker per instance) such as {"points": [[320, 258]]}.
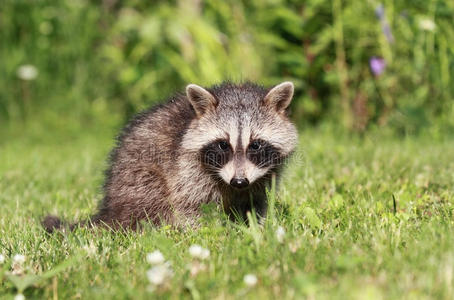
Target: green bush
{"points": [[121, 56]]}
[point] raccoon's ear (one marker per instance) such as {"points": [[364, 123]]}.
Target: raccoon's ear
{"points": [[201, 99], [280, 96]]}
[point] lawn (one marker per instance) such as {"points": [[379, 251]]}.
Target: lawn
{"points": [[363, 217]]}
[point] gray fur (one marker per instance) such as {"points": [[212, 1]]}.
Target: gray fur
{"points": [[156, 170]]}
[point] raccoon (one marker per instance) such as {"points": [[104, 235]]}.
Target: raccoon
{"points": [[221, 144]]}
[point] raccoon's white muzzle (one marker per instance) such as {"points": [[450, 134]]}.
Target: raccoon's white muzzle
{"points": [[244, 170]]}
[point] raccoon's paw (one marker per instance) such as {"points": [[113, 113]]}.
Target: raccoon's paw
{"points": [[51, 223]]}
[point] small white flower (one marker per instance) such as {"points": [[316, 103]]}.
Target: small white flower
{"points": [[159, 274], [27, 72], [205, 254], [155, 258], [19, 297], [427, 25], [280, 234], [19, 259], [197, 251], [90, 249], [2, 259], [250, 280]]}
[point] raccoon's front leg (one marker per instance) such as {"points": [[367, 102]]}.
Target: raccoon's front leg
{"points": [[260, 205], [245, 202]]}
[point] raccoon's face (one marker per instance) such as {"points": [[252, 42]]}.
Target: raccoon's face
{"points": [[241, 133]]}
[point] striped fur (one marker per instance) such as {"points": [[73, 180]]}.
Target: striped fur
{"points": [[176, 156]]}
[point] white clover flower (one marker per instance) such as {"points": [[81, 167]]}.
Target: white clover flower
{"points": [[27, 72], [280, 234], [159, 274], [205, 254], [427, 25], [199, 252], [155, 258], [19, 259], [195, 250], [90, 249], [19, 297], [2, 259], [250, 280]]}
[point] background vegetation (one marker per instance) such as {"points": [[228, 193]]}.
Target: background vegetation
{"points": [[112, 58]]}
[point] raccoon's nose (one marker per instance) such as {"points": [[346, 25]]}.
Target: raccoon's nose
{"points": [[239, 182]]}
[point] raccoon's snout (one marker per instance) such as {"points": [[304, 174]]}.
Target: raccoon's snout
{"points": [[239, 183]]}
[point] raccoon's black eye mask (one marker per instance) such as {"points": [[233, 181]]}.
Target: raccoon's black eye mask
{"points": [[217, 153], [263, 154]]}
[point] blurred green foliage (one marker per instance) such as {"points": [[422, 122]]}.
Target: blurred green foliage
{"points": [[113, 58]]}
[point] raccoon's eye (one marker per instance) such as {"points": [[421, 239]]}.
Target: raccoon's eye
{"points": [[224, 145], [255, 145]]}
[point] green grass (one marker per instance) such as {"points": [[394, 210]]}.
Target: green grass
{"points": [[343, 238]]}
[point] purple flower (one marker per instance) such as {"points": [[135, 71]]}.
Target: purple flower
{"points": [[380, 12], [387, 32], [377, 65]]}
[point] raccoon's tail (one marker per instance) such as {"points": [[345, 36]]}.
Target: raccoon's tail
{"points": [[54, 223]]}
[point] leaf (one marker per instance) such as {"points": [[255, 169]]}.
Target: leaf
{"points": [[59, 268], [21, 283], [312, 218], [337, 201]]}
